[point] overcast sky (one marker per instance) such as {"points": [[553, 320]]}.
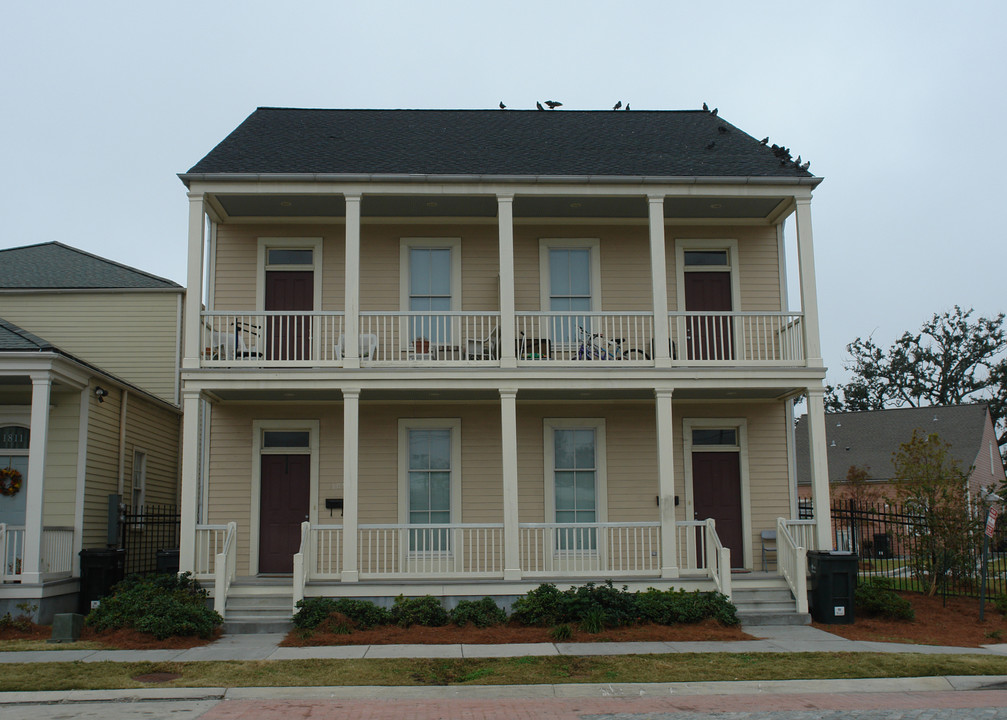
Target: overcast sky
{"points": [[899, 105]]}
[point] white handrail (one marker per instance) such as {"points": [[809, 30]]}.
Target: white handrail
{"points": [[301, 560], [792, 559], [734, 337], [209, 542], [719, 563], [224, 567], [803, 533], [11, 552]]}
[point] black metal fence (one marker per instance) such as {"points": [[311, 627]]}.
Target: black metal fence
{"points": [[895, 543], [144, 533]]}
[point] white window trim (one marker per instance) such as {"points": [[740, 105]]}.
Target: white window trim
{"points": [[741, 425], [600, 458], [730, 245], [454, 244], [547, 244], [143, 478], [258, 427], [455, 426], [306, 243]]}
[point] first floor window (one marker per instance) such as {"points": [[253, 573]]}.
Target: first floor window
{"points": [[431, 460], [139, 481], [575, 470]]}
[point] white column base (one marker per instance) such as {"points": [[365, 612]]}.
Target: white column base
{"points": [[348, 576]]}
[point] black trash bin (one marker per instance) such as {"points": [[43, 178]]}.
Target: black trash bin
{"points": [[167, 561], [99, 571], [833, 580]]}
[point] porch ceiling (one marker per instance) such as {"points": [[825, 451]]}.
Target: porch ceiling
{"points": [[238, 205]]}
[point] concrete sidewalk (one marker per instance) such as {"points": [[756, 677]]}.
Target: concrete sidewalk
{"points": [[771, 638]]}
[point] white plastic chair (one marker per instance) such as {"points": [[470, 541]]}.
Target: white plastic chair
{"points": [[485, 349], [368, 346]]}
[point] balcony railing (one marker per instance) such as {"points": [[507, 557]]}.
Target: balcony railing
{"points": [[575, 549], [736, 338], [463, 338], [56, 553]]}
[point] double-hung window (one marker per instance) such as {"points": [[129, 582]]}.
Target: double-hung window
{"points": [[571, 277], [430, 288], [575, 459], [430, 492]]}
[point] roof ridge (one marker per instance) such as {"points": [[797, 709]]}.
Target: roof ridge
{"points": [[26, 334], [99, 258]]}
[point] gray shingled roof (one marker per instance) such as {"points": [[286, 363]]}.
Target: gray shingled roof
{"points": [[869, 438], [493, 142], [53, 265], [13, 338]]}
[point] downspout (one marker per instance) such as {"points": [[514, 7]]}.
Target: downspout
{"points": [[122, 441]]}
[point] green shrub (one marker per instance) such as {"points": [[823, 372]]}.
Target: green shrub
{"points": [[561, 633], [426, 610], [481, 613], [312, 611], [601, 603], [668, 607], [875, 598], [594, 620], [362, 614], [544, 606], [1001, 603], [162, 605]]}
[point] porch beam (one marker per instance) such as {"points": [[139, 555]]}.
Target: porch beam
{"points": [[819, 468], [191, 349], [41, 391], [809, 291], [351, 490], [351, 307], [190, 485], [505, 220], [508, 426], [666, 483], [659, 281]]}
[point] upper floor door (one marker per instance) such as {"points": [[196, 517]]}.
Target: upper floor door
{"points": [[708, 289], [289, 336]]}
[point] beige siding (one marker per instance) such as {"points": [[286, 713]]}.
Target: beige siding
{"points": [[153, 430], [60, 495], [131, 335], [102, 473]]}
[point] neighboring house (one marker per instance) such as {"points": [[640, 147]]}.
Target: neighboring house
{"points": [[869, 439], [74, 430], [388, 390]]}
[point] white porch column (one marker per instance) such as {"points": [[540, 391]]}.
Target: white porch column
{"points": [[351, 305], [189, 499], [819, 468], [666, 483], [505, 222], [809, 291], [351, 494], [31, 570], [192, 347], [512, 540], [659, 281]]}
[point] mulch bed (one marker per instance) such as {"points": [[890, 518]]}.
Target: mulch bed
{"points": [[27, 631], [503, 634], [133, 640], [956, 624]]}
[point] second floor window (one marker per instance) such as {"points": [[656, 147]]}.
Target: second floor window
{"points": [[431, 291]]}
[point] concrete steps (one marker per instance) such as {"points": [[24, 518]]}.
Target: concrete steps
{"points": [[258, 608], [766, 600]]}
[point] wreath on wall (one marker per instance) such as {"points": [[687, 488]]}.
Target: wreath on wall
{"points": [[10, 481]]}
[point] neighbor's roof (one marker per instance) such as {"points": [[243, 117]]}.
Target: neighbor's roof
{"points": [[868, 439], [13, 338], [560, 143], [55, 266]]}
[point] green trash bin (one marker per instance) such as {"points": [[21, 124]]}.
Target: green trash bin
{"points": [[833, 580], [100, 569]]}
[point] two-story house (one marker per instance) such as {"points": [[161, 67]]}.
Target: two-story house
{"points": [[464, 352], [89, 354]]}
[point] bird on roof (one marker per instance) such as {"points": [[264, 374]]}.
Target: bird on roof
{"points": [[502, 106], [627, 106], [798, 161], [806, 165], [765, 140], [722, 129], [706, 107], [714, 111], [553, 104], [539, 105], [617, 105]]}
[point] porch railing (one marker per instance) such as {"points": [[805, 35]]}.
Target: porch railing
{"points": [[436, 550], [56, 552], [224, 568], [733, 338], [285, 338], [210, 541], [589, 338], [700, 553], [803, 533], [430, 338], [590, 548], [326, 552], [302, 564], [792, 559]]}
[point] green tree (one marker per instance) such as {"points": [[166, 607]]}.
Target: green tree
{"points": [[931, 485], [952, 359]]}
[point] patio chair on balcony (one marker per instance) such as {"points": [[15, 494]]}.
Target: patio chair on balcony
{"points": [[368, 346], [485, 349]]}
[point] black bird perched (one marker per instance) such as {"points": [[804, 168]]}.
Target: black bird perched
{"points": [[714, 111], [539, 105], [627, 106], [797, 162], [553, 104], [765, 140], [806, 165], [502, 106], [617, 105], [722, 130], [706, 107]]}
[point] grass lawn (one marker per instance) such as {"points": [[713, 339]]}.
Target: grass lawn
{"points": [[498, 671]]}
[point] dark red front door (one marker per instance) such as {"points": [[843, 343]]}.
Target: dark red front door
{"points": [[709, 337], [716, 493], [283, 506], [289, 336]]}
